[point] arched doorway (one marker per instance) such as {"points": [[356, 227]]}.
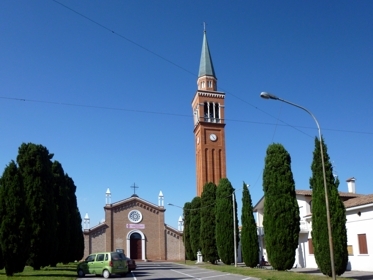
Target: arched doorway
{"points": [[135, 245]]}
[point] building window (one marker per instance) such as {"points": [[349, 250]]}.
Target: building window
{"points": [[210, 84], [211, 112], [203, 84], [135, 216], [350, 250], [310, 247], [362, 239]]}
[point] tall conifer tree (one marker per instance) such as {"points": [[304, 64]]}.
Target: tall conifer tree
{"points": [[320, 237], [195, 224], [249, 235], [207, 235], [35, 166], [281, 212], [14, 224], [187, 242], [224, 221], [76, 239]]}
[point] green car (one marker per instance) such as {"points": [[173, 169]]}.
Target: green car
{"points": [[105, 264]]}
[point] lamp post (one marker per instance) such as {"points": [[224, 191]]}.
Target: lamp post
{"points": [[234, 230], [267, 95], [183, 226]]}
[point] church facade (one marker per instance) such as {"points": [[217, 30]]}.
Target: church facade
{"points": [[137, 226]]}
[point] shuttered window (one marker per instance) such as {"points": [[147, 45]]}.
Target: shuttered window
{"points": [[310, 246], [363, 248]]}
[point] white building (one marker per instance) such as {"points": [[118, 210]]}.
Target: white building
{"points": [[359, 214]]}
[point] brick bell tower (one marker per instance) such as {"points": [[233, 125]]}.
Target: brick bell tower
{"points": [[208, 114]]}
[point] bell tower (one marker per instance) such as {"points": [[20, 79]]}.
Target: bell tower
{"points": [[208, 114]]}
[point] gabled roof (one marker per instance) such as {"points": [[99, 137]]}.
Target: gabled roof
{"points": [[341, 194], [346, 196], [135, 200], [358, 201], [206, 68]]}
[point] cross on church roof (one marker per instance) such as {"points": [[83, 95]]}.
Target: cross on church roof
{"points": [[134, 188]]}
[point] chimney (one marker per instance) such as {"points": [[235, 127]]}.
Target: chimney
{"points": [[351, 185]]}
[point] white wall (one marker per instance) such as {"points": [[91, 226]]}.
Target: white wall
{"points": [[359, 225]]}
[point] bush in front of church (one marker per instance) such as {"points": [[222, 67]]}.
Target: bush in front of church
{"points": [[187, 245], [195, 225]]}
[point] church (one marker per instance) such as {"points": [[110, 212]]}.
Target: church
{"points": [[138, 226]]}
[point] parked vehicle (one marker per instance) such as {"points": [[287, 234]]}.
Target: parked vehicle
{"points": [[130, 262], [103, 263]]}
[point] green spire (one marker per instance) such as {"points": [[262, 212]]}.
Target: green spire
{"points": [[206, 68]]}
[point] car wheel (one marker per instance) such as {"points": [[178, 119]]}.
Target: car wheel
{"points": [[106, 274], [81, 273]]}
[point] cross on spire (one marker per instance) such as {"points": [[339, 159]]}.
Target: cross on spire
{"points": [[204, 26], [134, 187]]}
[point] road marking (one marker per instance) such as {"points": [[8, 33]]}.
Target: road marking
{"points": [[185, 274]]}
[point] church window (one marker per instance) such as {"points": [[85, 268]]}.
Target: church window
{"points": [[210, 84], [212, 112], [135, 216], [203, 84]]}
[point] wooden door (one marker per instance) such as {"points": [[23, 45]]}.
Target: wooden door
{"points": [[136, 248]]}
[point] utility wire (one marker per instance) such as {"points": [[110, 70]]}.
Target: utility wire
{"points": [[173, 114]]}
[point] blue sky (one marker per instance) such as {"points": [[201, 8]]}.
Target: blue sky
{"points": [[107, 87]]}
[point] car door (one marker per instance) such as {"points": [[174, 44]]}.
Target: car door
{"points": [[99, 263], [90, 264]]}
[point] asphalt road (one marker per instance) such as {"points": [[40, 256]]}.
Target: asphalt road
{"points": [[164, 270]]}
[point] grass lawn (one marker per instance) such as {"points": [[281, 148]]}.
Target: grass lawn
{"points": [[61, 272], [266, 274]]}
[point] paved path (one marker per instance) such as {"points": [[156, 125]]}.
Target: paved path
{"points": [[358, 275]]}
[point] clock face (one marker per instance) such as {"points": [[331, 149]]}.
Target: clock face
{"points": [[213, 137]]}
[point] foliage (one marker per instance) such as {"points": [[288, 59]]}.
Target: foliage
{"points": [[35, 166], [224, 221], [40, 221], [207, 233], [281, 212], [187, 242], [60, 272], [195, 225], [76, 239], [14, 241], [320, 237], [249, 235]]}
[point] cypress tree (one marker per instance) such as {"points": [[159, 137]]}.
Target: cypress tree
{"points": [[320, 237], [186, 234], [14, 241], [224, 221], [35, 166], [249, 235], [281, 212], [207, 234], [195, 225], [76, 238]]}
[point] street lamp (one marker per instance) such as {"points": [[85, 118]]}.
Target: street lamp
{"points": [[267, 95], [183, 226]]}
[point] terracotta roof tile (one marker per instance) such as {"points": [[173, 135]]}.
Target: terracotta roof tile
{"points": [[360, 200], [341, 194]]}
